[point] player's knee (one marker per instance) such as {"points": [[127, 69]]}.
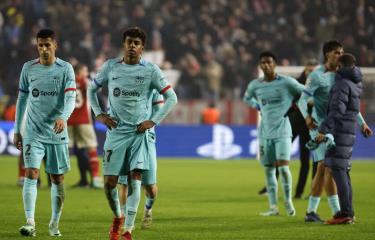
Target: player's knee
{"points": [[57, 178], [151, 190], [110, 182], [136, 174], [32, 173]]}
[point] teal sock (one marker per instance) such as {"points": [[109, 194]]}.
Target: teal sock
{"points": [[313, 204], [123, 209], [113, 200], [149, 203], [132, 203], [286, 181], [271, 183], [57, 201], [334, 204], [29, 194]]}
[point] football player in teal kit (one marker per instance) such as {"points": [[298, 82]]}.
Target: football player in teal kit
{"points": [[130, 81], [274, 94], [47, 98]]}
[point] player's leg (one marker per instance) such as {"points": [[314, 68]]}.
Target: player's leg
{"points": [[283, 148], [115, 148], [57, 164], [80, 153], [317, 186], [123, 192], [139, 161], [151, 192], [331, 190], [86, 138], [268, 160], [304, 159], [33, 152], [21, 170]]}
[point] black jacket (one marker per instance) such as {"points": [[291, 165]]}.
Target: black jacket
{"points": [[343, 108]]}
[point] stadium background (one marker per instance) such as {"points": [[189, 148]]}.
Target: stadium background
{"points": [[208, 50]]}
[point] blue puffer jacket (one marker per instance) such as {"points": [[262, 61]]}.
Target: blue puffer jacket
{"points": [[343, 108]]}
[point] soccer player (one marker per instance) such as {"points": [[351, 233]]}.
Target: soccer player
{"points": [[318, 86], [82, 133], [130, 82], [148, 176], [275, 94], [46, 96], [343, 108]]}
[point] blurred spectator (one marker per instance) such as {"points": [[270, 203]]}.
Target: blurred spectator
{"points": [[211, 114], [231, 31]]}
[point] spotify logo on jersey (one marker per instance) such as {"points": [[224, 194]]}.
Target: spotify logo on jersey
{"points": [[116, 92], [35, 92]]}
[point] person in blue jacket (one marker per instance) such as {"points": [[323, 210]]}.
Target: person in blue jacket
{"points": [[343, 108]]}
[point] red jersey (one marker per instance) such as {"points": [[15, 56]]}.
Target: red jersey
{"points": [[81, 113]]}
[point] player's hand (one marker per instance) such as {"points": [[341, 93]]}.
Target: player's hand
{"points": [[141, 128], [310, 122], [59, 126], [107, 120], [320, 138], [366, 131], [17, 140]]}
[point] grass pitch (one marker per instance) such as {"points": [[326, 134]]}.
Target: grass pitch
{"points": [[198, 199]]}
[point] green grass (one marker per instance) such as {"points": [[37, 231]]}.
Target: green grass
{"points": [[199, 199]]}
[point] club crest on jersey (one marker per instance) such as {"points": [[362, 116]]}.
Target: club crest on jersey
{"points": [[56, 80], [139, 80]]}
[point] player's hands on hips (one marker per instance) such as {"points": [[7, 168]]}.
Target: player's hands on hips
{"points": [[320, 138], [141, 128], [310, 122], [366, 131], [17, 140], [107, 120], [59, 126]]}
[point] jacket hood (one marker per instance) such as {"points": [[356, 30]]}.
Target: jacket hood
{"points": [[353, 74]]}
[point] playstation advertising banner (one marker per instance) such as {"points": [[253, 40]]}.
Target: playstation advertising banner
{"points": [[217, 142]]}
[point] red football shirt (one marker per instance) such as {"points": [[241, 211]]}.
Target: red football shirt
{"points": [[81, 113]]}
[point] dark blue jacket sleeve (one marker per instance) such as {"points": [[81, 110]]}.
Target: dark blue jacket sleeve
{"points": [[337, 105]]}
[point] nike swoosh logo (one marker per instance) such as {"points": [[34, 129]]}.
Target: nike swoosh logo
{"points": [[32, 80], [114, 78]]}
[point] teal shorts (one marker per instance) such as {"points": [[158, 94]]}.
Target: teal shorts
{"points": [[275, 149], [56, 156], [148, 176], [319, 153], [125, 152]]}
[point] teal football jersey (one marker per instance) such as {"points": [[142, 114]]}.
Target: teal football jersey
{"points": [[318, 87], [274, 98], [129, 91], [156, 101], [45, 89]]}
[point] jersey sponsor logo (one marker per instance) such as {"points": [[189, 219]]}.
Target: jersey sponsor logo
{"points": [[36, 93], [133, 93]]}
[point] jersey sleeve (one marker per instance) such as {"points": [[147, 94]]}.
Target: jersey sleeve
{"points": [[22, 99], [312, 84], [295, 87], [249, 97], [69, 93], [102, 75], [158, 80], [157, 102]]}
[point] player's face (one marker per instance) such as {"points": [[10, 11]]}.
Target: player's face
{"points": [[46, 48], [133, 47], [267, 64], [334, 55]]}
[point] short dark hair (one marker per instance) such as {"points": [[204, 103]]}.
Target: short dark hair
{"points": [[135, 32], [268, 54], [46, 33], [347, 60], [78, 67], [330, 46]]}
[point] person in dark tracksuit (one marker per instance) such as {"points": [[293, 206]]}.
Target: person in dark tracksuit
{"points": [[343, 108]]}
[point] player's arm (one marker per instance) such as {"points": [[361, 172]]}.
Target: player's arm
{"points": [[365, 129], [337, 106], [306, 102], [94, 86], [249, 97], [21, 107], [170, 100], [69, 100]]}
